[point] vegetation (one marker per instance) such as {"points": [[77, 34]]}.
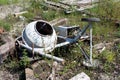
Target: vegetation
{"points": [[4, 2], [5, 25], [24, 62]]}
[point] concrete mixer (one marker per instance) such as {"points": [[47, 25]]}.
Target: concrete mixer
{"points": [[40, 34], [40, 37]]}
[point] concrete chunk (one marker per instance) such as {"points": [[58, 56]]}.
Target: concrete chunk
{"points": [[81, 76]]}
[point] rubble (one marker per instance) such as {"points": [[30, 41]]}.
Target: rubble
{"points": [[7, 47], [9, 9], [80, 76], [29, 74], [102, 46], [6, 75], [40, 71], [104, 76], [70, 6], [79, 2]]}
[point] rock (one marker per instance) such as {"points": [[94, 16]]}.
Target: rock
{"points": [[1, 30], [9, 9], [102, 46], [99, 47], [41, 70], [81, 76], [104, 76], [9, 46], [5, 75], [30, 74], [95, 63]]}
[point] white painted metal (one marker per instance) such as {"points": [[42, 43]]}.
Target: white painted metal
{"points": [[31, 36], [42, 52], [91, 46]]}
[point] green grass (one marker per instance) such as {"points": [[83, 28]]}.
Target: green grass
{"points": [[107, 9], [4, 2], [5, 25]]}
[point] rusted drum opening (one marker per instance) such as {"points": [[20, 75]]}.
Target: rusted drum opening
{"points": [[44, 28]]}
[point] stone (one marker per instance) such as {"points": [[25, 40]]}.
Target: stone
{"points": [[30, 74], [81, 76]]}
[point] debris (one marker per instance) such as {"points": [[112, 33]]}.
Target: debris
{"points": [[84, 4], [41, 69], [102, 46], [81, 76], [7, 47], [29, 74], [70, 6], [9, 9], [104, 77], [99, 47], [19, 13], [7, 75], [55, 5], [95, 63], [79, 2]]}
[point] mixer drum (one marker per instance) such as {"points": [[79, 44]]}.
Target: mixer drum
{"points": [[40, 34]]}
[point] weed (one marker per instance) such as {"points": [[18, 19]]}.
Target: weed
{"points": [[24, 62], [108, 67], [108, 56], [36, 75], [5, 25], [29, 16], [48, 15], [67, 67]]}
